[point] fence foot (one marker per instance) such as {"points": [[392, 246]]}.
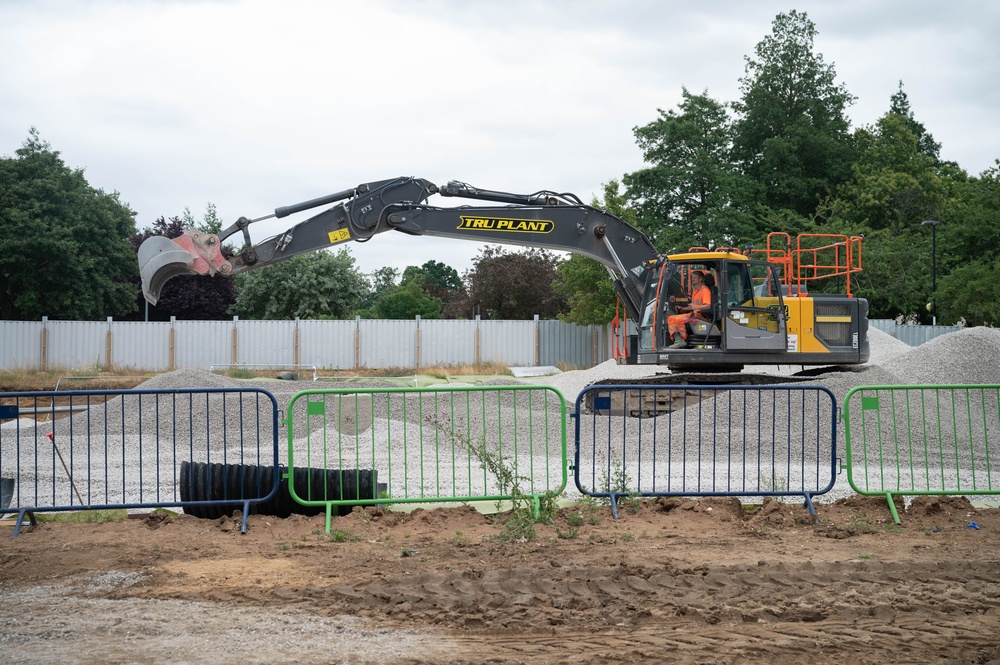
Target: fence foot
{"points": [[892, 507], [246, 514], [329, 516], [811, 508], [614, 505], [20, 521]]}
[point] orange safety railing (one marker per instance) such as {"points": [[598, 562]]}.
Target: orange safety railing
{"points": [[839, 256]]}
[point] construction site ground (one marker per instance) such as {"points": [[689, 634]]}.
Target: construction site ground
{"points": [[672, 580]]}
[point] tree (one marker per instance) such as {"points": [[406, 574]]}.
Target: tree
{"points": [[64, 245], [188, 297], [406, 301], [210, 222], [969, 251], [894, 187], [439, 281], [692, 194], [514, 285], [791, 135], [380, 282], [900, 105], [971, 292], [319, 285], [586, 283]]}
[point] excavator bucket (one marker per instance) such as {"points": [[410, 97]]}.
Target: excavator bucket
{"points": [[192, 253]]}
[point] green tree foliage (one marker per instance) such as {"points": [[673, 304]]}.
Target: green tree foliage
{"points": [[187, 297], [971, 292], [64, 245], [894, 185], [900, 105], [210, 223], [586, 283], [691, 194], [514, 285], [969, 253], [319, 285], [439, 281], [406, 301], [792, 132], [380, 282]]}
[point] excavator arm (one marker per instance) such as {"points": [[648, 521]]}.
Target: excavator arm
{"points": [[544, 219]]}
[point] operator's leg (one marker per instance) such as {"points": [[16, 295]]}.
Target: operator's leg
{"points": [[677, 327]]}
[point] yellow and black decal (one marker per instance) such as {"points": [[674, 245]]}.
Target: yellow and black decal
{"points": [[339, 235], [506, 224]]}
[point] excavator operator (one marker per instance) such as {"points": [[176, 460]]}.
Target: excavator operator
{"points": [[701, 301]]}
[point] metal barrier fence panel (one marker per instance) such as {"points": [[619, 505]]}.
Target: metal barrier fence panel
{"points": [[932, 439], [206, 450], [369, 446], [687, 440]]}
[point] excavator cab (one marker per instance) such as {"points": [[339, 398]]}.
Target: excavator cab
{"points": [[747, 312]]}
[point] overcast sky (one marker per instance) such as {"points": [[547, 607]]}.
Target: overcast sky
{"points": [[255, 104]]}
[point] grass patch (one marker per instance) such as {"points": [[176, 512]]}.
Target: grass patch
{"points": [[89, 378], [84, 516]]}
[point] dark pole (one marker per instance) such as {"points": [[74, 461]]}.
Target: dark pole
{"points": [[933, 224]]}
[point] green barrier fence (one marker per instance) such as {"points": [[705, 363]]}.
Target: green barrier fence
{"points": [[372, 446], [914, 440]]}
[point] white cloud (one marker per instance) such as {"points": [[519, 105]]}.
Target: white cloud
{"points": [[252, 104]]}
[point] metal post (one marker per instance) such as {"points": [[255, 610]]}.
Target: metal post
{"points": [[933, 223]]}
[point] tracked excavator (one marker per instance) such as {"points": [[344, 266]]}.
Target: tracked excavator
{"points": [[761, 310]]}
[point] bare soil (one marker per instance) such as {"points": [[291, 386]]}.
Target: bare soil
{"points": [[686, 581]]}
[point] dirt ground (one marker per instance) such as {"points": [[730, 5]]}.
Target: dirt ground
{"points": [[686, 581]]}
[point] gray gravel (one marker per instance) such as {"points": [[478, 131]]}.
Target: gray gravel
{"points": [[437, 444]]}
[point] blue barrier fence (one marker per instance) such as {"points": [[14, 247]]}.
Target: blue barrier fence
{"points": [[206, 450], [705, 441]]}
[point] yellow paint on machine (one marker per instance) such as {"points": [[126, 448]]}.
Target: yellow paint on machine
{"points": [[802, 317], [339, 235], [507, 224]]}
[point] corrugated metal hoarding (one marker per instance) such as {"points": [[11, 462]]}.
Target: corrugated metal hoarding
{"points": [[912, 335], [322, 344], [447, 342], [508, 342], [20, 344], [266, 342], [327, 344], [387, 343], [76, 344], [203, 343], [141, 345]]}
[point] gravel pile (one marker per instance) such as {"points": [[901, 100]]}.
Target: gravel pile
{"points": [[441, 444]]}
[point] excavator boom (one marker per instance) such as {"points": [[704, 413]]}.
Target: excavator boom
{"points": [[754, 316], [544, 219]]}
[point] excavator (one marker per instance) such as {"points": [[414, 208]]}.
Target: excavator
{"points": [[761, 311]]}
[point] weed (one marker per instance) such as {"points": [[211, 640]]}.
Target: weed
{"points": [[867, 555], [572, 534], [628, 536], [238, 372], [575, 519], [590, 510], [892, 527], [285, 545], [339, 536], [620, 483], [519, 522], [460, 539], [861, 523]]}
